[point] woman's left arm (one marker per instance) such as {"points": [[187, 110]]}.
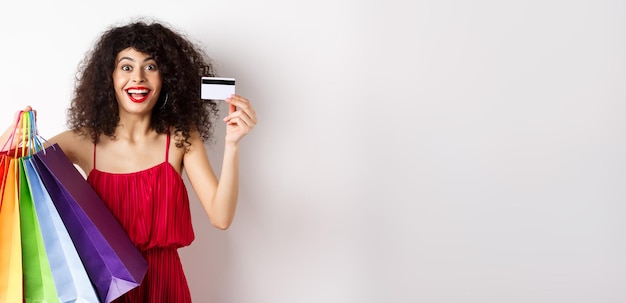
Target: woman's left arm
{"points": [[219, 198]]}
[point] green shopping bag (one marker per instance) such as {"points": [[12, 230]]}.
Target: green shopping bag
{"points": [[38, 281]]}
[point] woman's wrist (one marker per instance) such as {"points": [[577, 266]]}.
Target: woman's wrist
{"points": [[4, 145], [231, 146]]}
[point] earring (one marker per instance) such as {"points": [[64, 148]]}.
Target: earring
{"points": [[165, 102]]}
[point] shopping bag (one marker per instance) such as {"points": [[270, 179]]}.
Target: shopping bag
{"points": [[113, 263], [69, 274], [11, 246], [66, 280], [11, 288], [37, 276], [38, 282]]}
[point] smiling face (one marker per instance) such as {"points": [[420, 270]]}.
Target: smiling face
{"points": [[136, 80]]}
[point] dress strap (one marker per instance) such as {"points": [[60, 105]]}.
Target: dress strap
{"points": [[167, 147], [94, 156]]}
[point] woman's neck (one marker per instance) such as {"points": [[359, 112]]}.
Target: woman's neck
{"points": [[133, 128]]}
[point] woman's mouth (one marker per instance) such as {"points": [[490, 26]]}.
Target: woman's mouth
{"points": [[138, 95]]}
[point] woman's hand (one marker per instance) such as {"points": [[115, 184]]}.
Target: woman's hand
{"points": [[8, 143], [241, 118]]}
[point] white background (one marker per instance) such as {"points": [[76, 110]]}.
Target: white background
{"points": [[406, 151]]}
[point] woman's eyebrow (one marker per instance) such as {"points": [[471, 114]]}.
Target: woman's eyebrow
{"points": [[127, 58], [131, 59]]}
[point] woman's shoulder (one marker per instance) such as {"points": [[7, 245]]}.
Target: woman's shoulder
{"points": [[75, 144], [71, 138]]}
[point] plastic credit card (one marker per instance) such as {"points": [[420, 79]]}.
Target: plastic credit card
{"points": [[217, 88]]}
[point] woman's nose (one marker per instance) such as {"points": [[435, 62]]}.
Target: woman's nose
{"points": [[138, 77]]}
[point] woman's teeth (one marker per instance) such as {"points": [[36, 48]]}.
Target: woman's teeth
{"points": [[137, 91], [138, 95]]}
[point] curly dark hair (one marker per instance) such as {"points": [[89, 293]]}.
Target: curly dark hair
{"points": [[94, 110]]}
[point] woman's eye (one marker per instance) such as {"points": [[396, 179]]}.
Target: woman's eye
{"points": [[126, 67], [151, 67]]}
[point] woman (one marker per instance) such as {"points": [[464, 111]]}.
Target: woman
{"points": [[136, 121]]}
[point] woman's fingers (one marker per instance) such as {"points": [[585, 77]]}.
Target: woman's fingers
{"points": [[242, 104], [240, 107], [241, 118]]}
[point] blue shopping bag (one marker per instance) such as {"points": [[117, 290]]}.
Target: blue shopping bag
{"points": [[70, 277]]}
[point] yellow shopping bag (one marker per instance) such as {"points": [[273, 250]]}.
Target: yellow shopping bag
{"points": [[10, 239], [11, 274]]}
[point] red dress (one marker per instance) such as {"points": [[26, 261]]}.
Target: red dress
{"points": [[153, 207]]}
